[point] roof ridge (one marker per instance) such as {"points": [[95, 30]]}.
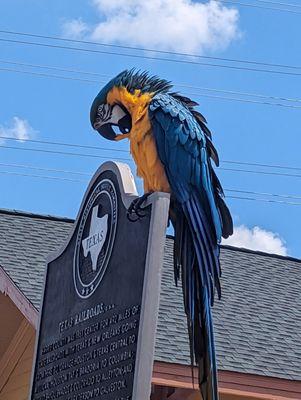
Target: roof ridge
{"points": [[258, 252], [71, 220], [29, 214], [261, 253]]}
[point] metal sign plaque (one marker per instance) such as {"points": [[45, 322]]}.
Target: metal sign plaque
{"points": [[101, 295], [96, 235]]}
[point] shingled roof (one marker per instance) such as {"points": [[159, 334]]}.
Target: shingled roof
{"points": [[257, 322]]}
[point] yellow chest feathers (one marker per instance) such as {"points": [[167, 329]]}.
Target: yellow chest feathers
{"points": [[142, 142]]}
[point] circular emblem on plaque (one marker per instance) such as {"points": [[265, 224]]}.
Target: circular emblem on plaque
{"points": [[95, 238]]}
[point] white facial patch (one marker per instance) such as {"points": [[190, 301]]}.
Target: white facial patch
{"points": [[108, 114]]}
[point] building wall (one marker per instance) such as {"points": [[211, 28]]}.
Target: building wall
{"points": [[16, 351], [17, 385], [17, 340]]}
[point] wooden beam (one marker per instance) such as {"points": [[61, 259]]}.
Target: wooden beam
{"points": [[8, 287], [243, 395], [230, 383], [14, 351], [190, 394]]}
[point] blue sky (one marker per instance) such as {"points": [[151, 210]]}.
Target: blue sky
{"points": [[58, 110]]}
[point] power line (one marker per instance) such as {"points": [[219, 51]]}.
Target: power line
{"points": [[55, 68], [48, 75], [81, 146], [264, 200], [267, 103], [62, 153], [239, 3], [188, 94], [181, 61], [62, 171], [256, 95], [32, 167], [75, 145], [128, 159], [238, 93], [85, 181], [284, 196], [261, 165], [279, 4], [43, 177], [259, 172], [234, 60]]}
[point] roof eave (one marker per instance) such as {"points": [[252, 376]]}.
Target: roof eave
{"points": [[237, 384], [8, 287]]}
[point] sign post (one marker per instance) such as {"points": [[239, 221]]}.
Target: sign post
{"points": [[101, 297]]}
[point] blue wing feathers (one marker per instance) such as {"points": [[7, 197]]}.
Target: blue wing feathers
{"points": [[184, 129], [173, 139], [200, 251], [173, 155], [165, 120], [185, 149]]}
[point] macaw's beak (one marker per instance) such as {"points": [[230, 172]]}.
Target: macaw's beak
{"points": [[112, 122], [105, 130]]}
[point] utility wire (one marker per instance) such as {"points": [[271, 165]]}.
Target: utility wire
{"points": [[265, 200], [239, 3], [32, 167], [76, 145], [57, 178], [41, 74], [266, 103], [129, 160], [172, 60], [74, 71], [233, 60], [55, 68], [284, 196], [261, 96], [277, 166], [279, 4], [188, 94], [80, 146], [259, 172], [85, 181], [62, 153]]}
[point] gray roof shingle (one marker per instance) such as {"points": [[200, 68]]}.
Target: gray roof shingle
{"points": [[257, 322]]}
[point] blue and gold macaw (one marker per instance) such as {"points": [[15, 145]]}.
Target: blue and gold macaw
{"points": [[172, 148]]}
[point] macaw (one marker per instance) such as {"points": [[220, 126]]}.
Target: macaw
{"points": [[172, 148]]}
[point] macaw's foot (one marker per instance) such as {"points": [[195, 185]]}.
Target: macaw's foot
{"points": [[135, 211]]}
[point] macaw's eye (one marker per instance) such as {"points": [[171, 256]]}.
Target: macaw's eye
{"points": [[104, 112]]}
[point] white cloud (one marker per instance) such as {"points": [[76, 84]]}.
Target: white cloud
{"points": [[19, 129], [175, 25], [75, 28], [257, 239]]}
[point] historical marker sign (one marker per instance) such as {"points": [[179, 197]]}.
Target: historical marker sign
{"points": [[101, 296]]}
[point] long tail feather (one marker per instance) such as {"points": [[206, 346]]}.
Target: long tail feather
{"points": [[198, 258]]}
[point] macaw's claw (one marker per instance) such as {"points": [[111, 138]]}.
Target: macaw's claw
{"points": [[135, 210]]}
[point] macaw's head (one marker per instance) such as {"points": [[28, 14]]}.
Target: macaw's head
{"points": [[123, 101]]}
